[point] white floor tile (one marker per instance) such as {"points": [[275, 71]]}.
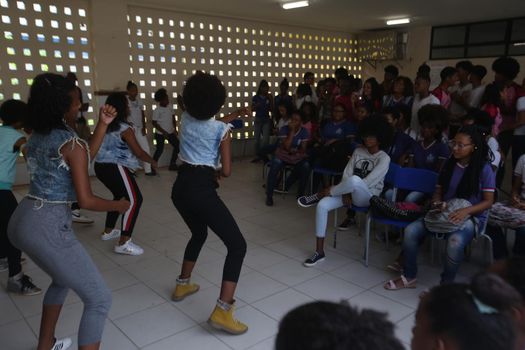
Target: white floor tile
{"points": [[327, 287], [17, 336], [196, 338], [371, 300], [277, 305], [365, 277], [291, 272], [9, 312], [131, 299], [255, 286]]}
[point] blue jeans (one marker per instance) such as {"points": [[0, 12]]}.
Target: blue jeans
{"points": [[261, 128], [456, 243], [300, 172]]}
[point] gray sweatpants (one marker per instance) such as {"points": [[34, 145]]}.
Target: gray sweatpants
{"points": [[44, 233]]}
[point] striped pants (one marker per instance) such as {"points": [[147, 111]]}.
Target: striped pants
{"points": [[122, 184]]}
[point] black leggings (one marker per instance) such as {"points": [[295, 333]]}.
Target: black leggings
{"points": [[122, 184], [8, 205], [195, 197]]}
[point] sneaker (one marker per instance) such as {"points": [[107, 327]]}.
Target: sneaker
{"points": [[345, 225], [308, 201], [3, 264], [62, 344], [115, 233], [129, 248], [79, 218], [22, 286], [314, 259]]}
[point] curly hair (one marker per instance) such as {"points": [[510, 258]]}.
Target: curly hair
{"points": [[120, 102], [13, 111], [324, 325], [49, 100], [160, 94], [203, 95], [453, 310], [378, 126], [435, 116]]}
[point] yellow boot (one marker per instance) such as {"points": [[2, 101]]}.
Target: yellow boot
{"points": [[183, 289], [222, 318]]}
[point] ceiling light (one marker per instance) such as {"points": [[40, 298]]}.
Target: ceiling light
{"points": [[394, 22], [295, 4], [519, 44]]}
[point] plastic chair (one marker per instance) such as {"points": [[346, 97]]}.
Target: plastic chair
{"points": [[390, 177]]}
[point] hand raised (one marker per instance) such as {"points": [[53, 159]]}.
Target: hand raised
{"points": [[107, 114]]}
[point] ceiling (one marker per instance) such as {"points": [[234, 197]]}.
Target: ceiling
{"points": [[351, 15]]}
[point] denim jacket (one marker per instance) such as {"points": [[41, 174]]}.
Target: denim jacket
{"points": [[50, 176], [200, 140], [115, 150]]}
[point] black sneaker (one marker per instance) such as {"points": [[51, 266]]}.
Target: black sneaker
{"points": [[314, 259], [308, 201], [22, 286], [345, 225]]}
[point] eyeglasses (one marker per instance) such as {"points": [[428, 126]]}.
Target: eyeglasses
{"points": [[460, 146]]}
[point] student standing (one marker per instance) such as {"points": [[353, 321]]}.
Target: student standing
{"points": [[165, 128], [41, 224], [206, 155]]}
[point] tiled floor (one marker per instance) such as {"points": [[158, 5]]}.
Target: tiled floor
{"points": [[273, 280]]}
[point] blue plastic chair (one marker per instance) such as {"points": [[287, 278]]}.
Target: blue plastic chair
{"points": [[389, 179]]}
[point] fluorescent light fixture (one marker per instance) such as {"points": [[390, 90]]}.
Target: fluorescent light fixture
{"points": [[295, 4], [394, 22], [519, 44]]}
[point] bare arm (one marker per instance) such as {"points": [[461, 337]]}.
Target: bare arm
{"points": [[159, 128], [226, 160], [129, 136], [236, 114], [76, 157], [107, 114]]}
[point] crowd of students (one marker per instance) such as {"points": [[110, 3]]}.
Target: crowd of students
{"points": [[463, 130]]}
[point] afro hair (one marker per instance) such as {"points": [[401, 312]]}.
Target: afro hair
{"points": [[203, 95]]}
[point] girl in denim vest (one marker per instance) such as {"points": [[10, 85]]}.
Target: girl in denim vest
{"points": [[113, 165], [41, 225], [205, 142]]}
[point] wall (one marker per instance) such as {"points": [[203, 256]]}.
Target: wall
{"points": [[418, 50]]}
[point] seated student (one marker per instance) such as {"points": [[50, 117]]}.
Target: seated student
{"points": [[346, 97], [302, 94], [293, 139], [477, 316], [362, 111], [402, 144], [326, 99], [478, 88], [402, 93], [335, 144], [517, 201], [423, 97], [485, 123], [362, 178], [282, 119], [449, 78], [282, 98], [512, 270], [372, 95], [466, 175], [310, 119], [323, 325]]}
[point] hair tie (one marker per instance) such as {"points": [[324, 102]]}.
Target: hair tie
{"points": [[481, 306]]}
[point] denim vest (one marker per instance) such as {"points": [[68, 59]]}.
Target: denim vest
{"points": [[115, 150], [49, 173], [200, 140]]}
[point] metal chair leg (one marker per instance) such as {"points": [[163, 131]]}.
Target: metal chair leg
{"points": [[367, 238]]}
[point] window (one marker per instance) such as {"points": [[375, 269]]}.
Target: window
{"points": [[483, 39]]}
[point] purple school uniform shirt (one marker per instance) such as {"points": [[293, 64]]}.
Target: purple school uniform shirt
{"points": [[487, 183], [402, 145], [338, 131], [427, 158]]}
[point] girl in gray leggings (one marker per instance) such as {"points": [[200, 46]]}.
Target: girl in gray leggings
{"points": [[41, 225]]}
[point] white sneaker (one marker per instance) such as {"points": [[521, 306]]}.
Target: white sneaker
{"points": [[115, 233], [79, 218], [129, 248], [62, 344]]}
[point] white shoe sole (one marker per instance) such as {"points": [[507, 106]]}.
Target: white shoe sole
{"points": [[109, 236], [306, 205], [124, 252], [82, 221], [305, 264]]}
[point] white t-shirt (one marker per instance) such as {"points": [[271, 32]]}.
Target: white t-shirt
{"points": [[135, 112], [416, 106], [475, 96], [520, 171], [456, 108], [520, 107], [164, 116], [494, 147]]}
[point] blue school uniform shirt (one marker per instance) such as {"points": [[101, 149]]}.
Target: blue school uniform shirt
{"points": [[262, 109], [487, 183], [427, 158], [300, 136], [8, 137], [402, 145], [338, 131]]}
